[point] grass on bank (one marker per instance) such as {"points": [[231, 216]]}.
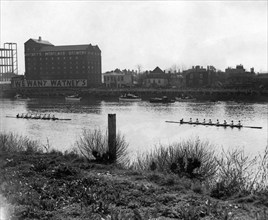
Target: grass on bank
{"points": [[229, 175], [225, 175]]}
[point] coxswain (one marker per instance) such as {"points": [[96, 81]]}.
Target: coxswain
{"points": [[18, 115]]}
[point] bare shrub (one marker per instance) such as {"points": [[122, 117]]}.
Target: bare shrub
{"points": [[238, 173], [93, 144], [14, 143], [180, 158]]}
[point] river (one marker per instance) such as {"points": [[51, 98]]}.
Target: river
{"points": [[142, 123]]}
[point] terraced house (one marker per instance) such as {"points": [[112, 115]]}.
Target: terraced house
{"points": [[67, 64], [156, 78]]}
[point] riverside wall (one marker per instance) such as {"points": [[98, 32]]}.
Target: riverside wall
{"points": [[199, 94]]}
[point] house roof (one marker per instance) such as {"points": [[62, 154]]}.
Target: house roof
{"points": [[51, 48], [157, 73], [157, 70], [113, 74], [71, 48], [42, 41]]}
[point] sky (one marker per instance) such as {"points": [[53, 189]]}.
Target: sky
{"points": [[145, 34]]}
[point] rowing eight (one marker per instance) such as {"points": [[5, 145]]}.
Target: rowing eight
{"points": [[212, 124]]}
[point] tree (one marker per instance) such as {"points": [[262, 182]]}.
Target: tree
{"points": [[139, 68]]}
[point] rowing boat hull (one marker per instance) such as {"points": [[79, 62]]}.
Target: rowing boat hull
{"points": [[130, 100], [72, 99]]}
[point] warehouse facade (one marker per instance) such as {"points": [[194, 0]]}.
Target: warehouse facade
{"points": [[45, 62]]}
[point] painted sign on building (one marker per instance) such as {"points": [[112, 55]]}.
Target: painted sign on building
{"points": [[49, 83]]}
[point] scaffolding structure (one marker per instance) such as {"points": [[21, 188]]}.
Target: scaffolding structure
{"points": [[8, 60]]}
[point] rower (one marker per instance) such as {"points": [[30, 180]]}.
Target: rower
{"points": [[217, 122], [181, 121], [197, 121], [53, 117], [204, 122], [224, 122], [209, 121], [232, 123], [190, 120], [239, 123], [44, 117], [18, 115]]}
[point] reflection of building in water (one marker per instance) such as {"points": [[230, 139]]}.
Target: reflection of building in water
{"points": [[8, 62], [44, 61]]}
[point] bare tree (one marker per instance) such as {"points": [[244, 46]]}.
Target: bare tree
{"points": [[139, 67]]}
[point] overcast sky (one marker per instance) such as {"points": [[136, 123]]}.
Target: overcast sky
{"points": [[146, 33]]}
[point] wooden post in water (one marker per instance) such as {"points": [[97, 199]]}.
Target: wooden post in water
{"points": [[112, 137]]}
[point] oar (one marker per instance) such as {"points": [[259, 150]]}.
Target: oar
{"points": [[251, 127], [174, 122]]}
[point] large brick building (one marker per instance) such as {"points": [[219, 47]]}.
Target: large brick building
{"points": [[44, 61], [198, 77]]}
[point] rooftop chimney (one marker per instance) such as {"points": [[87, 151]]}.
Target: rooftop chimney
{"points": [[39, 39]]}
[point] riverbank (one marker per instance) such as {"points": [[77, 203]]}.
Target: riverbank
{"points": [[147, 93], [55, 185]]}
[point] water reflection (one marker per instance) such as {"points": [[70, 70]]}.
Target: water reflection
{"points": [[240, 110]]}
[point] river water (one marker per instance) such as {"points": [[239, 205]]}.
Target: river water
{"points": [[142, 123]]}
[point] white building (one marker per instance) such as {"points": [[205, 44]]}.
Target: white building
{"points": [[117, 80]]}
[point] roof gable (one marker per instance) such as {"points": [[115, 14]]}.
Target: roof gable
{"points": [[157, 70]]}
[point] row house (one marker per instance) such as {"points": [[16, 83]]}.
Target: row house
{"points": [[238, 77], [198, 77], [156, 78]]}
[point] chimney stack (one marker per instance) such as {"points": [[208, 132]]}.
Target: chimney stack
{"points": [[39, 39]]}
